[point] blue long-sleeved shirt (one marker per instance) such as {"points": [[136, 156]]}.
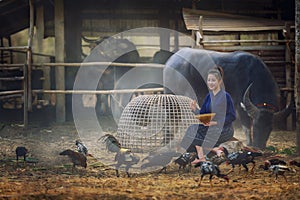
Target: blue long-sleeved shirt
{"points": [[222, 105]]}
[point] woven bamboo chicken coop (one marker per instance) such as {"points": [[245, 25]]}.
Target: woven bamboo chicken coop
{"points": [[149, 122]]}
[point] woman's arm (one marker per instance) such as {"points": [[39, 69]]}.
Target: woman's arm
{"points": [[230, 110]]}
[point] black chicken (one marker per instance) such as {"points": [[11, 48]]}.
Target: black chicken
{"points": [[241, 158], [123, 157], [208, 168], [185, 160], [294, 162], [21, 151], [158, 159], [76, 158]]}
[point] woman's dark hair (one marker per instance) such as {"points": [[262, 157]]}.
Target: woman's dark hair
{"points": [[217, 71]]}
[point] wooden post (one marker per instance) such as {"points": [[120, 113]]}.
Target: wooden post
{"points": [[176, 40], [2, 52], [164, 17], [73, 32], [40, 30], [194, 7], [25, 95], [29, 52], [288, 74], [199, 33], [297, 77], [59, 57], [10, 53]]}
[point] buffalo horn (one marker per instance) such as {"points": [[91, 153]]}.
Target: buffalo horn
{"points": [[250, 108], [284, 113]]}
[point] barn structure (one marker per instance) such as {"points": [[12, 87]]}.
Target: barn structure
{"points": [[264, 28]]}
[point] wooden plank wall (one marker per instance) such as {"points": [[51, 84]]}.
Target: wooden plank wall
{"points": [[275, 60]]}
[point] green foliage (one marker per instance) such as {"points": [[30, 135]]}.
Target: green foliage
{"points": [[288, 151], [272, 149]]}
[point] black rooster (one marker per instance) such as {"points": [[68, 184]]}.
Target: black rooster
{"points": [[76, 158], [185, 160], [208, 168], [162, 159], [21, 151], [241, 158], [123, 157]]}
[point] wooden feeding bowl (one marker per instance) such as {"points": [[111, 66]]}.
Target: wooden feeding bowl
{"points": [[205, 118]]}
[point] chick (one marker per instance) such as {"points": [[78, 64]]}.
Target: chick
{"points": [[185, 160], [279, 170], [81, 147], [270, 162], [208, 168], [241, 158], [123, 156]]}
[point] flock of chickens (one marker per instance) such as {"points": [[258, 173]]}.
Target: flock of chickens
{"points": [[210, 167]]}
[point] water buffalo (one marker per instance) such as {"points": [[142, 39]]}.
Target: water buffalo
{"points": [[110, 50], [186, 71]]}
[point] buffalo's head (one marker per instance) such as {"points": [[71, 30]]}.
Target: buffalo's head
{"points": [[262, 120]]}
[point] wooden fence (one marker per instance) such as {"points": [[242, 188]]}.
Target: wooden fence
{"points": [[26, 91]]}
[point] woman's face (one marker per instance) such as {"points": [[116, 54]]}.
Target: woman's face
{"points": [[212, 82]]}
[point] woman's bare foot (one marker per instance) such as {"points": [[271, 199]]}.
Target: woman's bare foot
{"points": [[202, 159], [219, 151]]}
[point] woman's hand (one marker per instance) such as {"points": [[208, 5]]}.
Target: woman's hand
{"points": [[193, 105], [210, 123]]}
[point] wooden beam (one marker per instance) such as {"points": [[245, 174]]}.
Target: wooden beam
{"points": [[245, 48], [297, 77], [14, 48], [10, 96], [20, 78], [105, 92], [11, 66], [59, 57], [99, 64], [245, 41], [11, 92]]}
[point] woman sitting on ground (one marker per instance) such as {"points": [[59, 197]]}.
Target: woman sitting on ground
{"points": [[220, 129]]}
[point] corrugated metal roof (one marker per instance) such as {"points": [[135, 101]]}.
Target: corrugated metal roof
{"points": [[216, 21]]}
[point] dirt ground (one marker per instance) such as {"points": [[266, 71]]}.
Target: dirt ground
{"points": [[52, 176]]}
